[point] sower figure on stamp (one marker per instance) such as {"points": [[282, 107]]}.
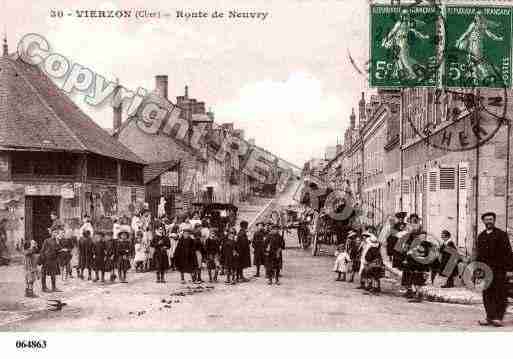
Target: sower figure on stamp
{"points": [[258, 248], [399, 39], [494, 250], [85, 254], [273, 248], [472, 41], [49, 257]]}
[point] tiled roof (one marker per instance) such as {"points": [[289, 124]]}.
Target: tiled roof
{"points": [[153, 170], [36, 114]]}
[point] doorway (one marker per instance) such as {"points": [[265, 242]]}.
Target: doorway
{"points": [[37, 221]]}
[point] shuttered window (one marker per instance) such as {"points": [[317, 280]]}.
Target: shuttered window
{"points": [[432, 181], [406, 187], [463, 178], [447, 178]]}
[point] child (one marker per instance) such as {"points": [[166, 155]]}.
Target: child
{"points": [[65, 256], [258, 248], [213, 253], [198, 250], [160, 243], [229, 255], [30, 250], [110, 255], [374, 268], [123, 252], [99, 257], [418, 262], [341, 263], [140, 252], [85, 253], [173, 241]]}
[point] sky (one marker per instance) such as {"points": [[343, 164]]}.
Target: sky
{"points": [[286, 81]]}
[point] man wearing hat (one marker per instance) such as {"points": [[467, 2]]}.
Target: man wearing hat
{"points": [[273, 249], [494, 250], [258, 247], [49, 257], [185, 257], [242, 244]]}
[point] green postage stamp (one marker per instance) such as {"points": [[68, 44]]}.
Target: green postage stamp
{"points": [[410, 45], [478, 47], [403, 46]]}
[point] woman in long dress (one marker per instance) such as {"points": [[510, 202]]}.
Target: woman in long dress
{"points": [[397, 39], [472, 42]]}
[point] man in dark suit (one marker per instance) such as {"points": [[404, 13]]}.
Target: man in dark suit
{"points": [[494, 249]]}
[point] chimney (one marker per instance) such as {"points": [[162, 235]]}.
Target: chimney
{"points": [[239, 133], [228, 126], [161, 85], [6, 48], [339, 148], [361, 109], [117, 120], [186, 95], [117, 107], [352, 119], [210, 114]]}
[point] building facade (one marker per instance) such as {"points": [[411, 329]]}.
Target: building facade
{"points": [[54, 158], [423, 151]]}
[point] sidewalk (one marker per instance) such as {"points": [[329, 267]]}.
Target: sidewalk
{"points": [[434, 293]]}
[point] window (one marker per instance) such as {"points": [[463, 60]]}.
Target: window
{"points": [[45, 163], [131, 173], [102, 167], [447, 178], [432, 181]]}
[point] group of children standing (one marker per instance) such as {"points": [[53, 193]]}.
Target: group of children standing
{"points": [[107, 253]]}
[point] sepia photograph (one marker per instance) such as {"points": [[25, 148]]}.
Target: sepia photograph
{"points": [[255, 166]]}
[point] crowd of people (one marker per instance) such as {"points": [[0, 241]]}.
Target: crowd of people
{"points": [[188, 244], [404, 248]]}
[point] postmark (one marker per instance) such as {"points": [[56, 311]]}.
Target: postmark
{"points": [[405, 45], [465, 118], [479, 45]]}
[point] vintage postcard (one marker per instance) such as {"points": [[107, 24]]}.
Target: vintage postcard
{"points": [[294, 165]]}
